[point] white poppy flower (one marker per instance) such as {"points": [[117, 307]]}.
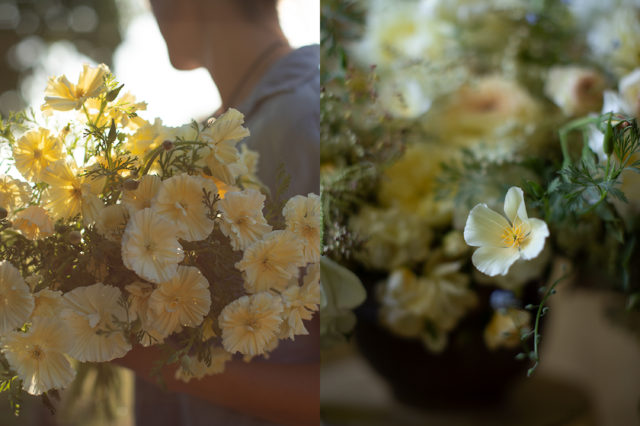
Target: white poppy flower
{"points": [[503, 241]]}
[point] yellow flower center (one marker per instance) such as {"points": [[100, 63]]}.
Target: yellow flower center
{"points": [[37, 353], [37, 154], [514, 236]]}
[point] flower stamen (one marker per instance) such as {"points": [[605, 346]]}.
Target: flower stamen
{"points": [[514, 236]]}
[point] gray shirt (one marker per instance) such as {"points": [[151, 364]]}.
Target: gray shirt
{"points": [[283, 116]]}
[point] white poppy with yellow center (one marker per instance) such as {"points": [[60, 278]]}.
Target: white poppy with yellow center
{"points": [[303, 217], [180, 199], [91, 314], [181, 301], [38, 356], [501, 240], [13, 193], [63, 95], [34, 223], [140, 197], [270, 263], [250, 324], [150, 246], [241, 218], [34, 151], [221, 155], [16, 300]]}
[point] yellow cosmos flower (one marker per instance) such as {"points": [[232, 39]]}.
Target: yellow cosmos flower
{"points": [[505, 328], [118, 111], [38, 356], [140, 198], [69, 194], [16, 301], [62, 95], [242, 220], [147, 138], [34, 223], [13, 193], [190, 367], [150, 247], [303, 217], [89, 317], [181, 301], [34, 151], [251, 323], [271, 262], [179, 199], [503, 241]]}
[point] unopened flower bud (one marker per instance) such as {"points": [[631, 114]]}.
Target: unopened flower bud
{"points": [[74, 237], [607, 144], [167, 145], [3, 213], [130, 184]]}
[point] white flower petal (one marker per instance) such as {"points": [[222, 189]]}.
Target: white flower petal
{"points": [[535, 243], [514, 205], [484, 227], [494, 260]]}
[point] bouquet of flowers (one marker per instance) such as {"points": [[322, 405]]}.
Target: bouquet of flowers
{"points": [[437, 117], [128, 232]]}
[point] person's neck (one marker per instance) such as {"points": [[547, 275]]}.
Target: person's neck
{"points": [[238, 58]]}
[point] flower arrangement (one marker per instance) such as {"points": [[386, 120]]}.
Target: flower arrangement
{"points": [[437, 115], [127, 232]]}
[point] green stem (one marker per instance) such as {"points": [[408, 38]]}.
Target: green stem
{"points": [[564, 133], [536, 328]]}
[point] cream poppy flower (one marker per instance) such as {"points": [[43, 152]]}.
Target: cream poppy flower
{"points": [[34, 223], [179, 199], [69, 194], [89, 318], [271, 262], [190, 367], [249, 324], [150, 246], [13, 193], [181, 301], [112, 221], [140, 198], [62, 95], [303, 217], [16, 301], [34, 151], [300, 303], [242, 220], [503, 241], [38, 356]]}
